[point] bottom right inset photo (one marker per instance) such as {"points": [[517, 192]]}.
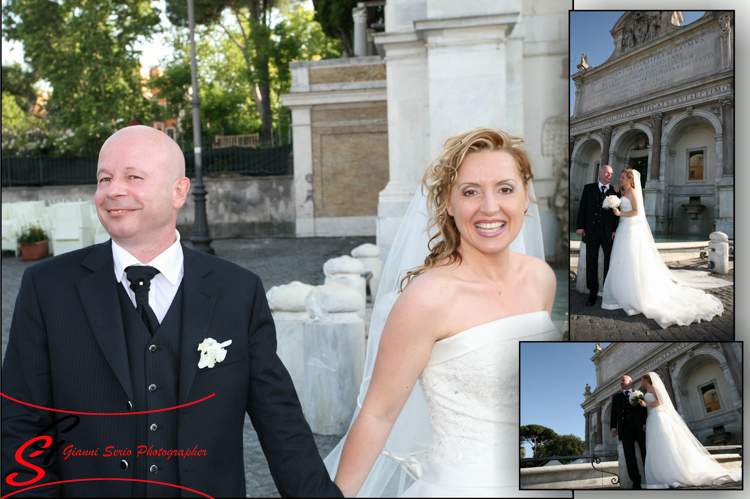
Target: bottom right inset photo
{"points": [[630, 415]]}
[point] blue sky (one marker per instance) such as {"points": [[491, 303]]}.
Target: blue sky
{"points": [[553, 379], [589, 34]]}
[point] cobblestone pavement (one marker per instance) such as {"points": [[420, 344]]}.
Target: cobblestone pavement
{"points": [[276, 261], [596, 324]]}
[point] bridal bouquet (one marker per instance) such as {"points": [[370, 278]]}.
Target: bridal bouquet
{"points": [[635, 397], [611, 202]]}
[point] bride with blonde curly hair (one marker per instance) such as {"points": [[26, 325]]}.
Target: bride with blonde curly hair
{"points": [[465, 280]]}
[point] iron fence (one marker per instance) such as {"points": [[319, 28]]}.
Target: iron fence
{"points": [[217, 163]]}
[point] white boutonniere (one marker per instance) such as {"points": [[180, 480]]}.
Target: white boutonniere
{"points": [[212, 352]]}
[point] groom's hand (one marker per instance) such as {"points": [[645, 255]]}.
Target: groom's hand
{"points": [[613, 236], [580, 232], [613, 431], [644, 428]]}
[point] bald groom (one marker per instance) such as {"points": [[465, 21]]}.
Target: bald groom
{"points": [[116, 328]]}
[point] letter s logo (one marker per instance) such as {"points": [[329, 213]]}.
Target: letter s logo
{"points": [[19, 458]]}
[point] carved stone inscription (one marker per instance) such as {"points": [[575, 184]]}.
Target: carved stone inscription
{"points": [[628, 354], [668, 67]]}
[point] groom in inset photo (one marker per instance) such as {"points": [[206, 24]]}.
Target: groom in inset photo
{"points": [[596, 227], [628, 422]]}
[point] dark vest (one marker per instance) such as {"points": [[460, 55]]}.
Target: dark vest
{"points": [[154, 372], [628, 409], [599, 213]]}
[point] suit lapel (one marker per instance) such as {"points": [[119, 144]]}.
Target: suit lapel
{"points": [[199, 298], [98, 294]]}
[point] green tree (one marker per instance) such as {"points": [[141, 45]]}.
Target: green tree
{"points": [[86, 52], [225, 83], [19, 83], [537, 436], [563, 445], [523, 452], [335, 17], [253, 38]]}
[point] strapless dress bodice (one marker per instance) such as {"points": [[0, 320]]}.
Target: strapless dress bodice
{"points": [[471, 387]]}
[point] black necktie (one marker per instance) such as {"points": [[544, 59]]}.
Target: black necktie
{"points": [[604, 189], [140, 282]]}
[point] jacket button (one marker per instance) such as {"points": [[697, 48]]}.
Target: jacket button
{"points": [[153, 427], [124, 465], [153, 468], [152, 388], [152, 348], [130, 405]]}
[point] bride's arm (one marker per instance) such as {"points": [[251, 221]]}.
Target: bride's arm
{"points": [[405, 347]]}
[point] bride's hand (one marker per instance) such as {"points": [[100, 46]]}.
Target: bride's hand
{"points": [[616, 211], [642, 403]]}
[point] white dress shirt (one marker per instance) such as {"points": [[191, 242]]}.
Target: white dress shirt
{"points": [[164, 286], [606, 186]]}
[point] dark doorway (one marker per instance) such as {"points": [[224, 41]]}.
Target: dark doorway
{"points": [[641, 165]]}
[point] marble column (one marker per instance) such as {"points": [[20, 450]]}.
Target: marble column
{"points": [[599, 424], [359, 16], [607, 131], [656, 146], [587, 442], [734, 367], [667, 378], [727, 124]]}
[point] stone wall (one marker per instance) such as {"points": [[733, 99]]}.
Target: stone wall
{"points": [[340, 123], [248, 206]]}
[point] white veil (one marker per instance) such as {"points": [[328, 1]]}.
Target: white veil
{"points": [[684, 438], [398, 466], [691, 279]]}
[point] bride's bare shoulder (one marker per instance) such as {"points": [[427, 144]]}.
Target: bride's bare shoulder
{"points": [[536, 270], [429, 292]]}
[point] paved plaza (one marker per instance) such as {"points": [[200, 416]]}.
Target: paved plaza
{"points": [[596, 324], [277, 261]]}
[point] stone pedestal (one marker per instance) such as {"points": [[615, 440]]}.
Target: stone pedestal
{"points": [[718, 253], [287, 305], [369, 255], [334, 357], [725, 221], [348, 271]]}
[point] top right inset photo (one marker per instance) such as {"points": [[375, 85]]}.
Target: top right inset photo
{"points": [[652, 175]]}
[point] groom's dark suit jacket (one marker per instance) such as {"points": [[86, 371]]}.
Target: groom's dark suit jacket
{"points": [[617, 419], [587, 210], [67, 350]]}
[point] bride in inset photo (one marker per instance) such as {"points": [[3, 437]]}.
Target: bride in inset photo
{"points": [[464, 281], [639, 282], [675, 458]]}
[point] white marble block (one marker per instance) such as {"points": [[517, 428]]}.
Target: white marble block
{"points": [[718, 252], [287, 305], [369, 255], [334, 357], [348, 271]]}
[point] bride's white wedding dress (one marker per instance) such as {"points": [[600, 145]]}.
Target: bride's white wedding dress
{"points": [[471, 387], [675, 458], [639, 282], [457, 434]]}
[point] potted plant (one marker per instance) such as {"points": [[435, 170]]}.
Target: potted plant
{"points": [[34, 243]]}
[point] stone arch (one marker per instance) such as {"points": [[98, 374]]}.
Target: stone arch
{"points": [[681, 373], [620, 148], [584, 155], [706, 127]]}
